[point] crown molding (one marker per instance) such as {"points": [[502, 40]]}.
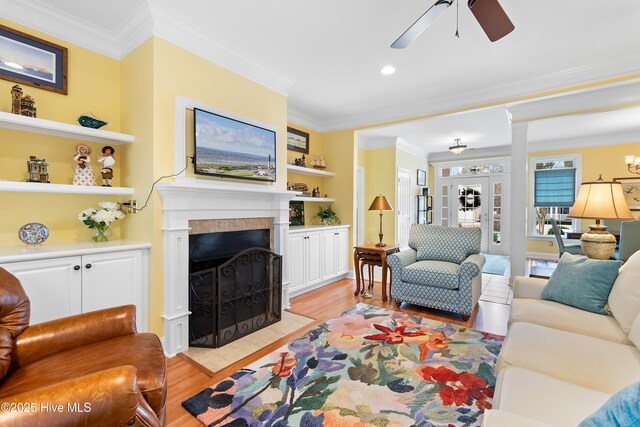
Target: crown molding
{"points": [[608, 97], [617, 67], [294, 116], [376, 143], [43, 17], [135, 30], [584, 142], [409, 148], [168, 27]]}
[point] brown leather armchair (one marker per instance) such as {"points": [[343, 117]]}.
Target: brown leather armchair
{"points": [[93, 369]]}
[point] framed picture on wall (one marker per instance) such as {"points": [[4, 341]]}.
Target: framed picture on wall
{"points": [[631, 190], [297, 140], [32, 61], [422, 178]]}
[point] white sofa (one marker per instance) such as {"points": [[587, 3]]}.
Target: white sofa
{"points": [[558, 363]]}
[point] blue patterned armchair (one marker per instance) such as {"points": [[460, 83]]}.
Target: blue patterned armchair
{"points": [[441, 269]]}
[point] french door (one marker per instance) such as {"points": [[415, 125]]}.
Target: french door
{"points": [[478, 202]]}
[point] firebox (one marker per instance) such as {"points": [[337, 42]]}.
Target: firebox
{"points": [[235, 286]]}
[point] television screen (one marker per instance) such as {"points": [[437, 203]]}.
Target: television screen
{"points": [[231, 148]]}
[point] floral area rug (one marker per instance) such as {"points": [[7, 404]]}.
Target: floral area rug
{"points": [[368, 367]]}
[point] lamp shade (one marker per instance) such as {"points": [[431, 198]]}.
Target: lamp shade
{"points": [[380, 203], [600, 200]]}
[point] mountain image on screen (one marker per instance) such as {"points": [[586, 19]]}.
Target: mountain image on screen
{"points": [[231, 148]]}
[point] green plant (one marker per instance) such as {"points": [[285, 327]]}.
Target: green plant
{"points": [[327, 215]]}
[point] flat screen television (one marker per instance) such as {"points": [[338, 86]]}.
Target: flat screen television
{"points": [[231, 148]]}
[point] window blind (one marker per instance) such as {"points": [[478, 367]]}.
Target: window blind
{"points": [[554, 188]]}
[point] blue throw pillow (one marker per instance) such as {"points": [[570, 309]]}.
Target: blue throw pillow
{"points": [[621, 410], [582, 282]]}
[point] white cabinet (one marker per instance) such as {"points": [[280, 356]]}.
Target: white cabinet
{"points": [[335, 252], [305, 251], [318, 256], [64, 283]]}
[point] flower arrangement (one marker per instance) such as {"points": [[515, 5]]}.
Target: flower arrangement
{"points": [[327, 215], [100, 219]]}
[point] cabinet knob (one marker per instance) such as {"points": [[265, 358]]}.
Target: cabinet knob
{"points": [[88, 266], [76, 267]]}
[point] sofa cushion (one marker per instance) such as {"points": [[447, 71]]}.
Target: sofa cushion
{"points": [[585, 361], [582, 282], [634, 334], [621, 409], [450, 244], [566, 318], [624, 299], [543, 398], [432, 273], [142, 351]]}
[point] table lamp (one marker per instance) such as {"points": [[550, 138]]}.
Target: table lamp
{"points": [[380, 203], [600, 200]]}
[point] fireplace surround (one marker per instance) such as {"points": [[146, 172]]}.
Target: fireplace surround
{"points": [[189, 204]]}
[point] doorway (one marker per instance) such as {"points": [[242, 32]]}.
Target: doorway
{"points": [[478, 202]]}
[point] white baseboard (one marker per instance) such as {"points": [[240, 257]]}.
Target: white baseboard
{"points": [[351, 274], [303, 290]]}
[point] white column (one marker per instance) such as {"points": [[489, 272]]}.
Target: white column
{"points": [[518, 204]]}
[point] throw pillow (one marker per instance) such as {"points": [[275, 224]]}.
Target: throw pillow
{"points": [[624, 300], [582, 282], [620, 410]]}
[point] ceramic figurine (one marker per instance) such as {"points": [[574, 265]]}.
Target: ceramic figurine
{"points": [[107, 161], [83, 174]]}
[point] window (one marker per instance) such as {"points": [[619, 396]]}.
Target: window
{"points": [[553, 188]]}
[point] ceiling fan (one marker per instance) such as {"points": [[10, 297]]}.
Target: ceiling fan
{"points": [[489, 14]]}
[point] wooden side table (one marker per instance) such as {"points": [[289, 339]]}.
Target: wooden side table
{"points": [[372, 255]]}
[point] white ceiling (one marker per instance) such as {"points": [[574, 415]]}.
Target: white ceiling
{"points": [[327, 55]]}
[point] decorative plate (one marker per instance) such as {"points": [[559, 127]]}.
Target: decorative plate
{"points": [[91, 122], [33, 233]]}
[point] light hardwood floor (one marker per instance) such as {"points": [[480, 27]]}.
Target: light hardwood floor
{"points": [[186, 378]]}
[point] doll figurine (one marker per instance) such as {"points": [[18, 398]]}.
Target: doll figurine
{"points": [[107, 165], [83, 174]]}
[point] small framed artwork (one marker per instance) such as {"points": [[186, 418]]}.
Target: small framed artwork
{"points": [[32, 61], [631, 190], [422, 178], [297, 140]]}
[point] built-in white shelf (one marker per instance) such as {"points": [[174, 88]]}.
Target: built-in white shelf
{"points": [[308, 171], [314, 199], [37, 187], [65, 130]]}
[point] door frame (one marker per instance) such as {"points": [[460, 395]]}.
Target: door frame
{"points": [[409, 202], [504, 178]]}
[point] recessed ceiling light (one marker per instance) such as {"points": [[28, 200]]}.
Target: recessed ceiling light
{"points": [[388, 70]]}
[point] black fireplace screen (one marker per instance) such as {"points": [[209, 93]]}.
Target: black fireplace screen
{"points": [[236, 298]]}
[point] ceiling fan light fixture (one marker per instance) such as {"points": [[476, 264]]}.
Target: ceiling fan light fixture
{"points": [[387, 70], [458, 148]]}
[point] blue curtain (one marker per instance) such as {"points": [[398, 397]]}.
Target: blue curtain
{"points": [[554, 188]]}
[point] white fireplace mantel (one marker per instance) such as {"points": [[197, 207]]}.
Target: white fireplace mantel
{"points": [[188, 199]]}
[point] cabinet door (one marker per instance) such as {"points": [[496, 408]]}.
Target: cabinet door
{"points": [[112, 279], [329, 239], [52, 285], [342, 249], [314, 257], [296, 260]]}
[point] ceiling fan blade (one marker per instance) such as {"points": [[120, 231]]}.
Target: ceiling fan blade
{"points": [[492, 18], [421, 24]]}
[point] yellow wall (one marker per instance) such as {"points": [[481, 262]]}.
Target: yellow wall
{"points": [[606, 160], [93, 87], [380, 178]]}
